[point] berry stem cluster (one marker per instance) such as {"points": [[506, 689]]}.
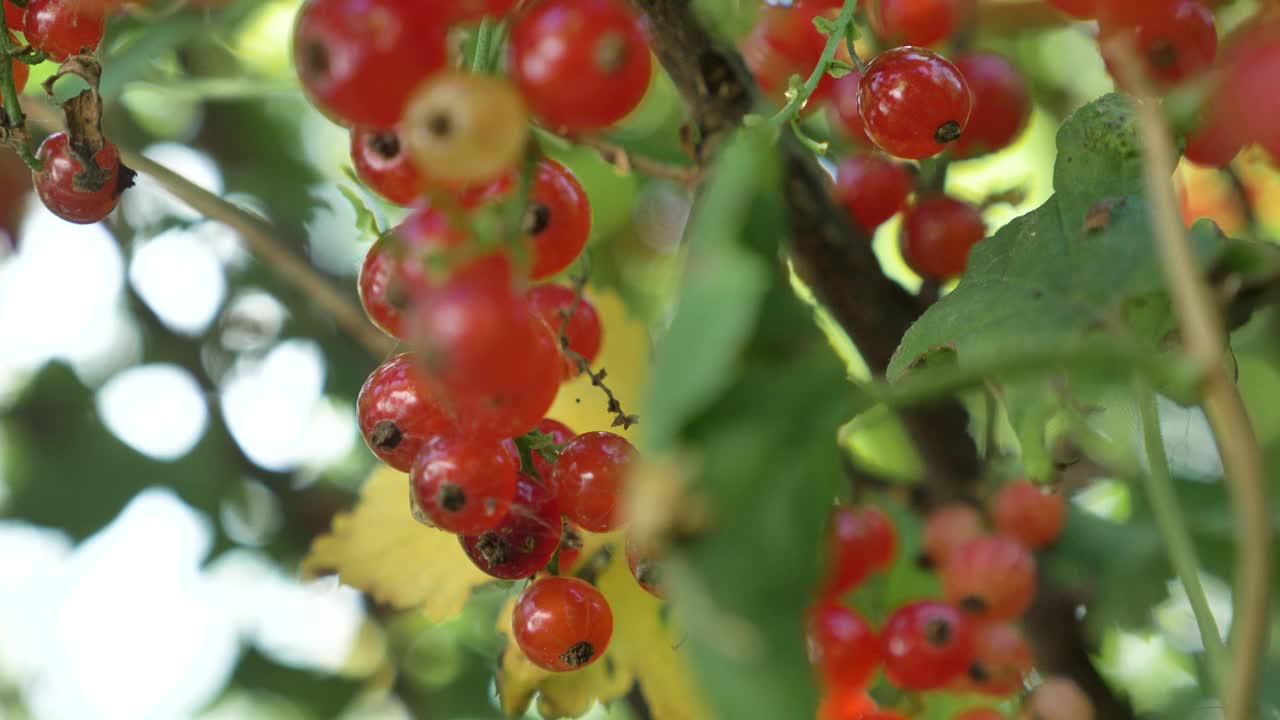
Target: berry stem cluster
{"points": [[14, 130], [838, 30]]}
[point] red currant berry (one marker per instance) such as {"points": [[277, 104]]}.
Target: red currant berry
{"points": [[397, 414], [913, 102], [461, 127], [560, 307], [843, 111], [62, 28], [883, 715], [1248, 93], [73, 192], [1081, 9], [785, 42], [914, 22], [859, 542], [359, 60], [1001, 103], [993, 578], [925, 645], [559, 433], [383, 165], [1215, 143], [394, 270], [949, 527], [872, 189], [1001, 658], [557, 221], [588, 479], [570, 546], [1029, 515], [14, 16], [523, 542], [645, 567], [937, 234], [474, 10], [1130, 12], [1175, 41], [463, 483], [581, 65], [1057, 699], [842, 646], [979, 714], [562, 623], [846, 704]]}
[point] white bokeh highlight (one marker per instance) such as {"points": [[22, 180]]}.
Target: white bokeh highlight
{"points": [[147, 204], [269, 404], [180, 277], [158, 410]]}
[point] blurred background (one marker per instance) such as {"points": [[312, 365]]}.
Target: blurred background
{"points": [[177, 425]]}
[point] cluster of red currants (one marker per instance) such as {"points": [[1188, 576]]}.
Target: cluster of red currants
{"points": [[967, 642], [463, 413], [80, 179]]}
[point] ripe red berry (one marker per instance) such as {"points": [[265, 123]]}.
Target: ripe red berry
{"points": [[13, 15], [1081, 9], [1249, 93], [1215, 143], [1001, 103], [560, 307], [73, 192], [562, 623], [914, 22], [872, 189], [937, 234], [1175, 41], [382, 164], [394, 270], [62, 28], [785, 42], [842, 647], [474, 10], [926, 645], [949, 527], [581, 65], [979, 714], [397, 414], [993, 578], [843, 114], [1029, 515], [464, 483], [846, 704], [559, 434], [524, 541], [883, 715], [1057, 699], [1001, 658], [557, 221], [645, 567], [588, 479], [913, 102], [359, 60], [859, 541]]}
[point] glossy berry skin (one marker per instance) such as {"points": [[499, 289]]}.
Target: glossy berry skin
{"points": [[1001, 658], [464, 11], [937, 234], [645, 567], [843, 114], [1029, 515], [588, 479], [62, 28], [1079, 9], [359, 60], [13, 15], [382, 164], [914, 103], [581, 65], [979, 714], [846, 704], [557, 221], [926, 645], [562, 623], [947, 528], [397, 414], [992, 578], [68, 192], [1175, 41], [461, 127], [842, 646], [914, 22], [872, 189], [785, 42], [1001, 103], [1215, 143], [583, 330], [1057, 699], [464, 483], [393, 273], [1249, 92], [859, 541], [523, 542]]}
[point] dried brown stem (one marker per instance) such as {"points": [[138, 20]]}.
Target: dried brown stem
{"points": [[627, 161]]}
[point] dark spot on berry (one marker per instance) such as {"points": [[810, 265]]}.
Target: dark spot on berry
{"points": [[578, 655], [451, 497], [648, 574], [386, 435], [610, 52], [440, 124], [315, 58], [974, 604], [978, 673], [924, 562], [386, 144], [1163, 54], [569, 538], [397, 294], [948, 131], [536, 219], [937, 632], [490, 506], [493, 549]]}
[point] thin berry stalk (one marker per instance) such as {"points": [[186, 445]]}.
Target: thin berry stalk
{"points": [[17, 129], [839, 29]]}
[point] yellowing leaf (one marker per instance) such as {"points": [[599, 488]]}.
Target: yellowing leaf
{"points": [[643, 649], [381, 549]]}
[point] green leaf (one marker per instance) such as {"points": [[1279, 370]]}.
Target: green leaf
{"points": [[366, 219], [824, 25]]}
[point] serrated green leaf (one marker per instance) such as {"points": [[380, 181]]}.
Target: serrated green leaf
{"points": [[366, 219], [839, 68], [824, 25]]}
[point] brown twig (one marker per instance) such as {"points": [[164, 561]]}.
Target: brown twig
{"points": [[621, 418], [627, 161], [261, 238], [1205, 340]]}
